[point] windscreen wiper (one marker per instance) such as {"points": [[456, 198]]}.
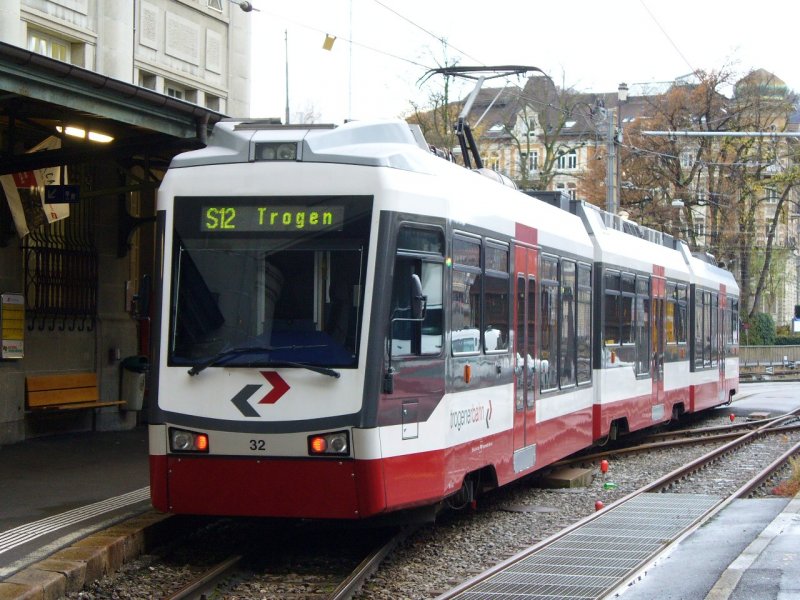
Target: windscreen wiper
{"points": [[261, 349]]}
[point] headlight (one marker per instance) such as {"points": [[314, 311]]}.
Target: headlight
{"points": [[329, 444], [276, 151], [181, 440]]}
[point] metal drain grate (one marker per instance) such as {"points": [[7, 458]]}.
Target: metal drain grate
{"points": [[591, 559]]}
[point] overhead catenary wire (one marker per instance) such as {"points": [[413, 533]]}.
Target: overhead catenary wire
{"points": [[433, 35], [347, 39], [666, 35]]}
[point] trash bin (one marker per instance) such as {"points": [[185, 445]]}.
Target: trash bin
{"points": [[134, 372]]}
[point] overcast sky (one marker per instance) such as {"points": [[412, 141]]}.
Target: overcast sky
{"points": [[582, 44]]}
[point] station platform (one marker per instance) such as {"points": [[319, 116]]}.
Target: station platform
{"points": [[76, 505], [56, 490], [748, 551]]}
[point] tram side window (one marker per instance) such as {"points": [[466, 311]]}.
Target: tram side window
{"points": [[466, 296], [611, 317], [670, 317], [567, 345], [583, 335], [643, 323], [497, 304], [698, 328], [714, 335], [681, 316], [627, 350], [707, 328], [421, 253], [549, 310], [626, 316], [706, 323], [734, 327]]}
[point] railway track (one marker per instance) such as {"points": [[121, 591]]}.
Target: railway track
{"points": [[682, 437], [229, 577], [529, 574], [307, 561]]}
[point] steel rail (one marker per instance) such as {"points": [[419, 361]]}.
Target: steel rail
{"points": [[667, 444], [765, 423], [660, 483], [205, 584], [207, 581], [369, 565]]}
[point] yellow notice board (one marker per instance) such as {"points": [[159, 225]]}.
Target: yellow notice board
{"points": [[12, 324]]}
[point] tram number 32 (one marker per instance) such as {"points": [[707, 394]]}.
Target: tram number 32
{"points": [[258, 446]]}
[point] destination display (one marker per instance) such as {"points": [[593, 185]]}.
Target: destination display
{"points": [[248, 218]]}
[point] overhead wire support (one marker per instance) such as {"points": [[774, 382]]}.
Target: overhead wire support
{"points": [[763, 134], [479, 74]]}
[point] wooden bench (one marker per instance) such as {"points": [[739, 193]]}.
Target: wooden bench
{"points": [[66, 391]]}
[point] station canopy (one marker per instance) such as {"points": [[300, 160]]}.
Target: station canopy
{"points": [[41, 97]]}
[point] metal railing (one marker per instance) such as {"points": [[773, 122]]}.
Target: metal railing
{"points": [[769, 356]]}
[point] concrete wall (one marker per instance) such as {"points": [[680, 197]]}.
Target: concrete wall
{"points": [[57, 347]]}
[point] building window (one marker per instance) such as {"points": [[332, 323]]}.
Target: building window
{"points": [[213, 102], [567, 161], [147, 80], [699, 228], [48, 45], [215, 5], [176, 90], [687, 159], [772, 195], [531, 160]]}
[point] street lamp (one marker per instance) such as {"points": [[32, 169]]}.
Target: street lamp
{"points": [[244, 5]]}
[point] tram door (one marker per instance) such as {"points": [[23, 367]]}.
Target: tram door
{"points": [[722, 338], [658, 344], [525, 385]]}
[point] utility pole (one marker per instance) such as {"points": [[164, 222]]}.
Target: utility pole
{"points": [[611, 164], [622, 97], [286, 49], [614, 139]]}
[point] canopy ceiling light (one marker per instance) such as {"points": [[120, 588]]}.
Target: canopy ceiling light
{"points": [[78, 132]]}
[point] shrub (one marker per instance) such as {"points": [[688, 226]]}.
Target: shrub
{"points": [[761, 332]]}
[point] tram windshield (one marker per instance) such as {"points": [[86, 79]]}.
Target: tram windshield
{"points": [[282, 278]]}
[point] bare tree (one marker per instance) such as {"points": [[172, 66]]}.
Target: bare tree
{"points": [[734, 189], [438, 116]]}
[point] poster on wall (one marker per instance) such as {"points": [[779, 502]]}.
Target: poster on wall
{"points": [[25, 193], [12, 325]]}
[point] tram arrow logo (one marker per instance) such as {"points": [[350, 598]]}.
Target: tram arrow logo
{"points": [[279, 388]]}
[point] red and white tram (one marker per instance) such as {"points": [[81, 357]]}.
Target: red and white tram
{"points": [[349, 325]]}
